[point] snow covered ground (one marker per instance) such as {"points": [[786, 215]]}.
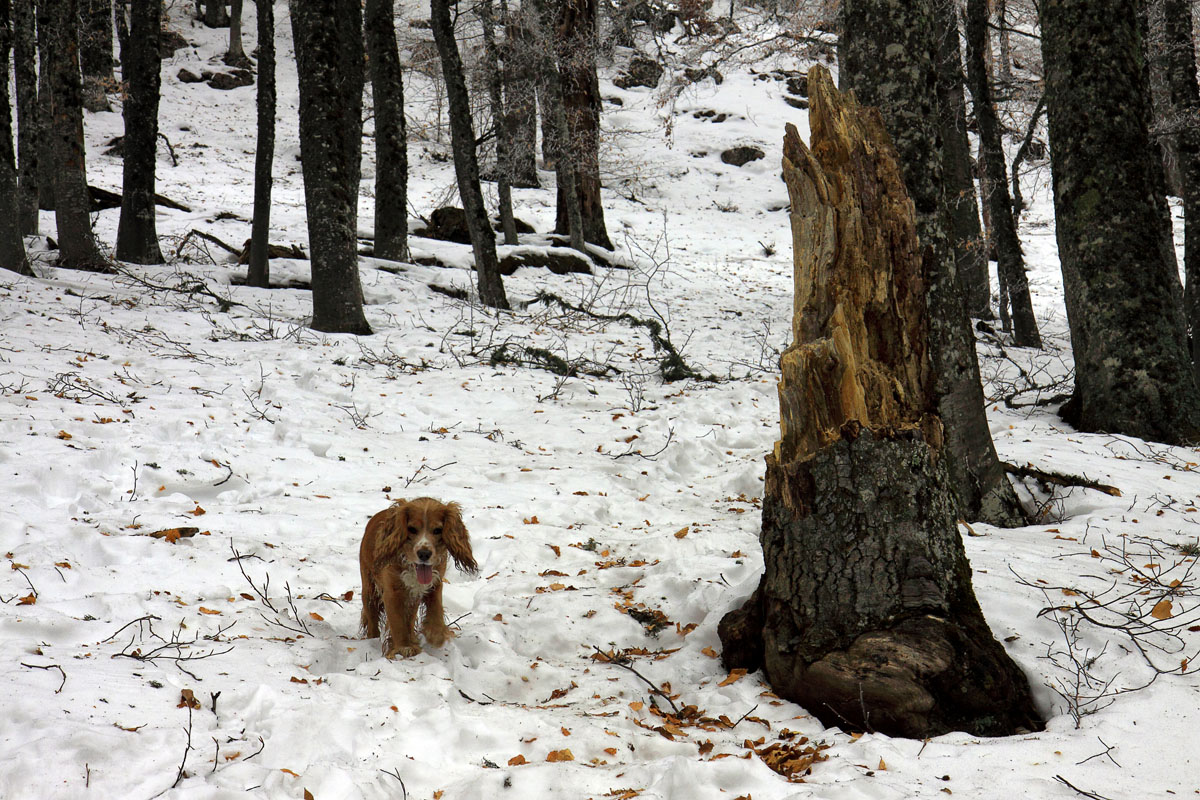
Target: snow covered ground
{"points": [[612, 515]]}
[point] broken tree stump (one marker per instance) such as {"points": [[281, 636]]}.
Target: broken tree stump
{"points": [[866, 614]]}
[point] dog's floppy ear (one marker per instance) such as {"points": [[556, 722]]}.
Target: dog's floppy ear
{"points": [[393, 531], [458, 544]]}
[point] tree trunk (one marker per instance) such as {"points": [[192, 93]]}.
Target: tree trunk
{"points": [[466, 165], [215, 15], [868, 616], [391, 134], [1133, 372], [887, 53], [554, 127], [137, 234], [1009, 259], [520, 97], [329, 58], [258, 272], [12, 248], [575, 46], [235, 55], [29, 118], [77, 246], [45, 145], [496, 100], [96, 53], [1181, 76], [970, 248]]}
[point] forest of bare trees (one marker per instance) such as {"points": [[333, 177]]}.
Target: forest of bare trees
{"points": [[940, 109]]}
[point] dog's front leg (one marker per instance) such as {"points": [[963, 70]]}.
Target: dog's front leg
{"points": [[401, 608], [434, 626]]}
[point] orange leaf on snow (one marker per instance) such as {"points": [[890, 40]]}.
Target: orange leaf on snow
{"points": [[682, 532], [517, 761], [734, 676], [27, 600], [289, 772], [197, 511], [711, 653], [612, 751], [204, 610], [64, 435], [308, 795], [187, 698], [67, 565], [348, 596], [636, 705], [557, 550], [882, 765], [1162, 610], [531, 520], [316, 616], [560, 755], [565, 732]]}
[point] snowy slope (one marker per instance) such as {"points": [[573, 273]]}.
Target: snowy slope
{"points": [[609, 515]]}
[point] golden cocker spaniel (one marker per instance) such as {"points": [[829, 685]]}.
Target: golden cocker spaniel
{"points": [[403, 559]]}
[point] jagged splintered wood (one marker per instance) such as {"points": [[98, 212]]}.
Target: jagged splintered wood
{"points": [[865, 614]]}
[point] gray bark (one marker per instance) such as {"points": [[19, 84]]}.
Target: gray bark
{"points": [[1010, 260], [391, 133], [12, 247], [966, 235], [258, 272], [555, 129], [466, 164], [96, 52], [520, 96], [329, 57], [29, 115], [887, 55], [496, 100], [77, 246], [1178, 33], [235, 55], [137, 233], [1133, 373], [575, 47]]}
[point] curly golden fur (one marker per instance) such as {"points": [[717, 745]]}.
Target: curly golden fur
{"points": [[403, 558]]}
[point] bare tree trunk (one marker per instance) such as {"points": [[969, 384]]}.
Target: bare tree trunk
{"points": [[970, 247], [96, 53], [258, 272], [12, 248], [1133, 372], [235, 56], [1009, 258], [29, 117], [45, 145], [555, 120], [137, 234], [520, 96], [215, 15], [575, 46], [1180, 47], [887, 53], [466, 165], [329, 57], [495, 98], [77, 246], [866, 614], [391, 133]]}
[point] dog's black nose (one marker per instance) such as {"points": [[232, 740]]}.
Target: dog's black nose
{"points": [[424, 554]]}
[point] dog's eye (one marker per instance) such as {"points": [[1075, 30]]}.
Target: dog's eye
{"points": [[437, 531], [412, 529]]}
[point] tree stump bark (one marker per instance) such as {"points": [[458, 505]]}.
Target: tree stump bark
{"points": [[866, 614]]}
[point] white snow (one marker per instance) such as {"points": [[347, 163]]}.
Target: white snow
{"points": [[129, 410]]}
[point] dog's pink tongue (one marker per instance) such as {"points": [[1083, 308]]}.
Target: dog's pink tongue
{"points": [[424, 574]]}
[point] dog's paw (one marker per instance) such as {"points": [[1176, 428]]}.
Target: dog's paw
{"points": [[437, 635], [405, 651]]}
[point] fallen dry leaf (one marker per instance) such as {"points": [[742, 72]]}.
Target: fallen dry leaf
{"points": [[734, 676], [517, 761], [555, 756], [1162, 609]]}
